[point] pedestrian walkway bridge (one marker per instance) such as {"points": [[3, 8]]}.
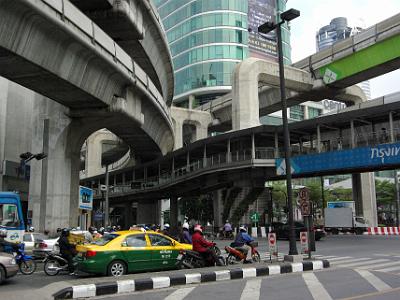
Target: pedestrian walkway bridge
{"points": [[360, 138]]}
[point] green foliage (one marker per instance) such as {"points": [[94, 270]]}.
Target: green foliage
{"points": [[385, 192], [339, 194], [197, 207]]}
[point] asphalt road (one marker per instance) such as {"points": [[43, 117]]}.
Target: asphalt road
{"points": [[384, 250]]}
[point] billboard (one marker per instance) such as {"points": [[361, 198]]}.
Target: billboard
{"points": [[85, 198], [359, 158], [261, 11]]}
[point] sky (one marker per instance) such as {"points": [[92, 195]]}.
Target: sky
{"points": [[317, 13]]}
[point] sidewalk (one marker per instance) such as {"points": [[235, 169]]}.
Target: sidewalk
{"points": [[96, 286]]}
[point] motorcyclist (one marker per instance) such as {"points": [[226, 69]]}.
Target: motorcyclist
{"points": [[67, 250], [242, 240], [166, 230], [185, 236], [227, 229], [88, 235], [202, 246], [6, 244]]}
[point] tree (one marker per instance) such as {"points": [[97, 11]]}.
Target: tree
{"points": [[199, 208], [385, 192]]}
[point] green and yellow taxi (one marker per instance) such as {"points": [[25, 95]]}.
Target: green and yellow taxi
{"points": [[123, 252]]}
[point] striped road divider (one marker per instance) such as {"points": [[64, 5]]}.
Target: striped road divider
{"points": [[128, 286], [383, 231]]}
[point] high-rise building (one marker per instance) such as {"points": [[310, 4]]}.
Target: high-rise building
{"points": [[336, 31], [208, 38]]}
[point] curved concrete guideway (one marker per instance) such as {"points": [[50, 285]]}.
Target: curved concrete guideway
{"points": [[69, 59], [55, 50]]}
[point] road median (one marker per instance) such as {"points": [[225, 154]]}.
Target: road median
{"points": [[140, 282]]}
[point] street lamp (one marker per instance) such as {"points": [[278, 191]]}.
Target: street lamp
{"points": [[265, 28]]}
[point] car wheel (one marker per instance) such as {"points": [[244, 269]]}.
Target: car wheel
{"points": [[2, 275], [116, 268]]}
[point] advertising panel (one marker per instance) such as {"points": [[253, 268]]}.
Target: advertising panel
{"points": [[363, 157], [261, 11], [85, 198]]}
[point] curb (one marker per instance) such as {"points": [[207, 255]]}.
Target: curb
{"points": [[126, 286]]}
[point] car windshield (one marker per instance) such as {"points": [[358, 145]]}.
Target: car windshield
{"points": [[8, 215], [105, 239], [39, 236]]}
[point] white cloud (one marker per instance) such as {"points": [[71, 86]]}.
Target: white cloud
{"points": [[318, 13]]}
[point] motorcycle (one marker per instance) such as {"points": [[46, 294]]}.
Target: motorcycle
{"points": [[25, 263], [235, 255], [225, 235], [54, 263], [191, 259]]}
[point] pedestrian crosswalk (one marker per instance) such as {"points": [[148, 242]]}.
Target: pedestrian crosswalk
{"points": [[379, 262]]}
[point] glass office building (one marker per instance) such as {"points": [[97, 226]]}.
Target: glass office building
{"points": [[209, 37]]}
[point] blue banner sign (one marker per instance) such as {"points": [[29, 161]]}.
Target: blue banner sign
{"points": [[85, 198], [377, 156]]}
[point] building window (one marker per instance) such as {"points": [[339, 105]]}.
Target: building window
{"points": [[314, 112], [297, 112]]}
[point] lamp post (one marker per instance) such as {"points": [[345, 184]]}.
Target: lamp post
{"points": [[265, 28]]}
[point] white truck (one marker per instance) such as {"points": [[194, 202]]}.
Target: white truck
{"points": [[340, 217]]}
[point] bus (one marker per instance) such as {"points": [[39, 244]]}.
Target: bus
{"points": [[11, 217]]}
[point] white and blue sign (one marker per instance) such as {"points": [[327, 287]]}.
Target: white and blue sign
{"points": [[364, 157], [85, 198]]}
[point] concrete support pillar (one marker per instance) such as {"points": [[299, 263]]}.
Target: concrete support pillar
{"points": [[188, 161], [318, 138], [352, 135], [205, 156], [218, 208], [228, 151], [276, 145], [173, 214], [191, 101], [364, 196], [253, 147], [128, 217], [54, 183], [178, 134], [148, 212], [391, 127]]}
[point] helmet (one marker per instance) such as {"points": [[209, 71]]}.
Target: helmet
{"points": [[243, 228], [3, 233], [31, 229], [65, 231], [227, 221], [166, 226], [198, 228], [185, 225], [92, 229]]}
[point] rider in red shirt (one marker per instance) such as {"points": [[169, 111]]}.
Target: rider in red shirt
{"points": [[201, 245]]}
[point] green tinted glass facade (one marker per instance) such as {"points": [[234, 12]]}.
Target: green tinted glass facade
{"points": [[207, 39]]}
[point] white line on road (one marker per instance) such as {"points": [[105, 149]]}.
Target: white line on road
{"points": [[350, 260], [339, 258], [315, 287], [373, 280], [388, 269], [362, 263], [251, 290], [325, 256], [180, 294], [391, 263]]}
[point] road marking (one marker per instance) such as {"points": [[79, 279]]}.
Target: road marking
{"points": [[339, 258], [372, 294], [325, 257], [388, 269], [373, 280], [251, 290], [391, 263], [362, 263], [350, 260], [180, 294], [315, 287]]}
